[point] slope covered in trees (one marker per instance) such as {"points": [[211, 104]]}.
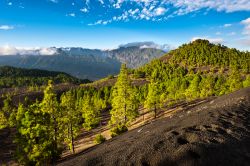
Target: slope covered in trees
{"points": [[198, 69], [18, 77], [168, 81], [202, 53]]}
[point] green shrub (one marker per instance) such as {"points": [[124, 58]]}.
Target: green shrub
{"points": [[99, 139], [110, 77], [139, 74], [118, 130]]}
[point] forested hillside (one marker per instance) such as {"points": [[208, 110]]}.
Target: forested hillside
{"points": [[18, 77], [194, 71], [198, 69], [202, 53]]}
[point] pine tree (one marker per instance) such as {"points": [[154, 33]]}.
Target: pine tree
{"points": [[70, 117], [246, 83], [50, 106], [124, 106], [3, 120], [90, 113], [153, 98], [35, 146], [193, 91], [7, 113]]}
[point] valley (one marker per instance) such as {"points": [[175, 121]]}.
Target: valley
{"points": [[92, 64]]}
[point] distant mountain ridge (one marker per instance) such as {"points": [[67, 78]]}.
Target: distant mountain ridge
{"points": [[84, 63], [19, 77]]}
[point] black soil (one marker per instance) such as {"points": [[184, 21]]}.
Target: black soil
{"points": [[214, 133]]}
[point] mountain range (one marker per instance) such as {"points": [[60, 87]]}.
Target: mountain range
{"points": [[84, 63]]}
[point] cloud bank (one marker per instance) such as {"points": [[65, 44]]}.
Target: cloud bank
{"points": [[164, 47], [10, 50], [6, 27], [212, 40], [246, 24]]}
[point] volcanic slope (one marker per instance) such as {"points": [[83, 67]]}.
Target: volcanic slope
{"points": [[216, 132]]}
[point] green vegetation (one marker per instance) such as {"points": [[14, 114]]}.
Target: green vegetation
{"points": [[118, 130], [202, 53], [3, 120], [71, 118], [124, 106], [90, 113], [17, 77], [198, 70], [99, 139], [45, 127], [153, 98], [7, 114]]}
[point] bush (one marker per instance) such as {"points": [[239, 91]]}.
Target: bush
{"points": [[99, 139], [118, 130], [139, 74], [110, 77]]}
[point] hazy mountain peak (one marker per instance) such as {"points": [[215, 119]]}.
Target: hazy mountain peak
{"points": [[147, 44]]}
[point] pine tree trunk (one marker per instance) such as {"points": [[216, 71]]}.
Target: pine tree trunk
{"points": [[69, 133], [55, 133], [72, 139], [125, 116], [143, 114], [155, 111], [55, 139]]}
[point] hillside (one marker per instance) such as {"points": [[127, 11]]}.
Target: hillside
{"points": [[83, 63], [19, 77], [139, 100], [198, 69], [213, 133], [200, 55]]}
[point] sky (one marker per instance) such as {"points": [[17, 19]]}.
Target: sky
{"points": [[106, 24]]}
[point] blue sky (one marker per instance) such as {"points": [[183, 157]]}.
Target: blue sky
{"points": [[106, 24]]}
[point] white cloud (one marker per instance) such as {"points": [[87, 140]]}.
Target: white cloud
{"points": [[160, 11], [54, 1], [244, 42], [212, 40], [218, 33], [101, 1], [246, 24], [6, 27], [47, 51], [231, 34], [84, 10], [71, 15], [187, 6], [147, 44], [100, 22], [227, 25], [10, 50]]}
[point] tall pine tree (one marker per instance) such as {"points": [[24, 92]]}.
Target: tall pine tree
{"points": [[124, 107], [153, 99], [90, 112], [70, 118], [50, 105]]}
